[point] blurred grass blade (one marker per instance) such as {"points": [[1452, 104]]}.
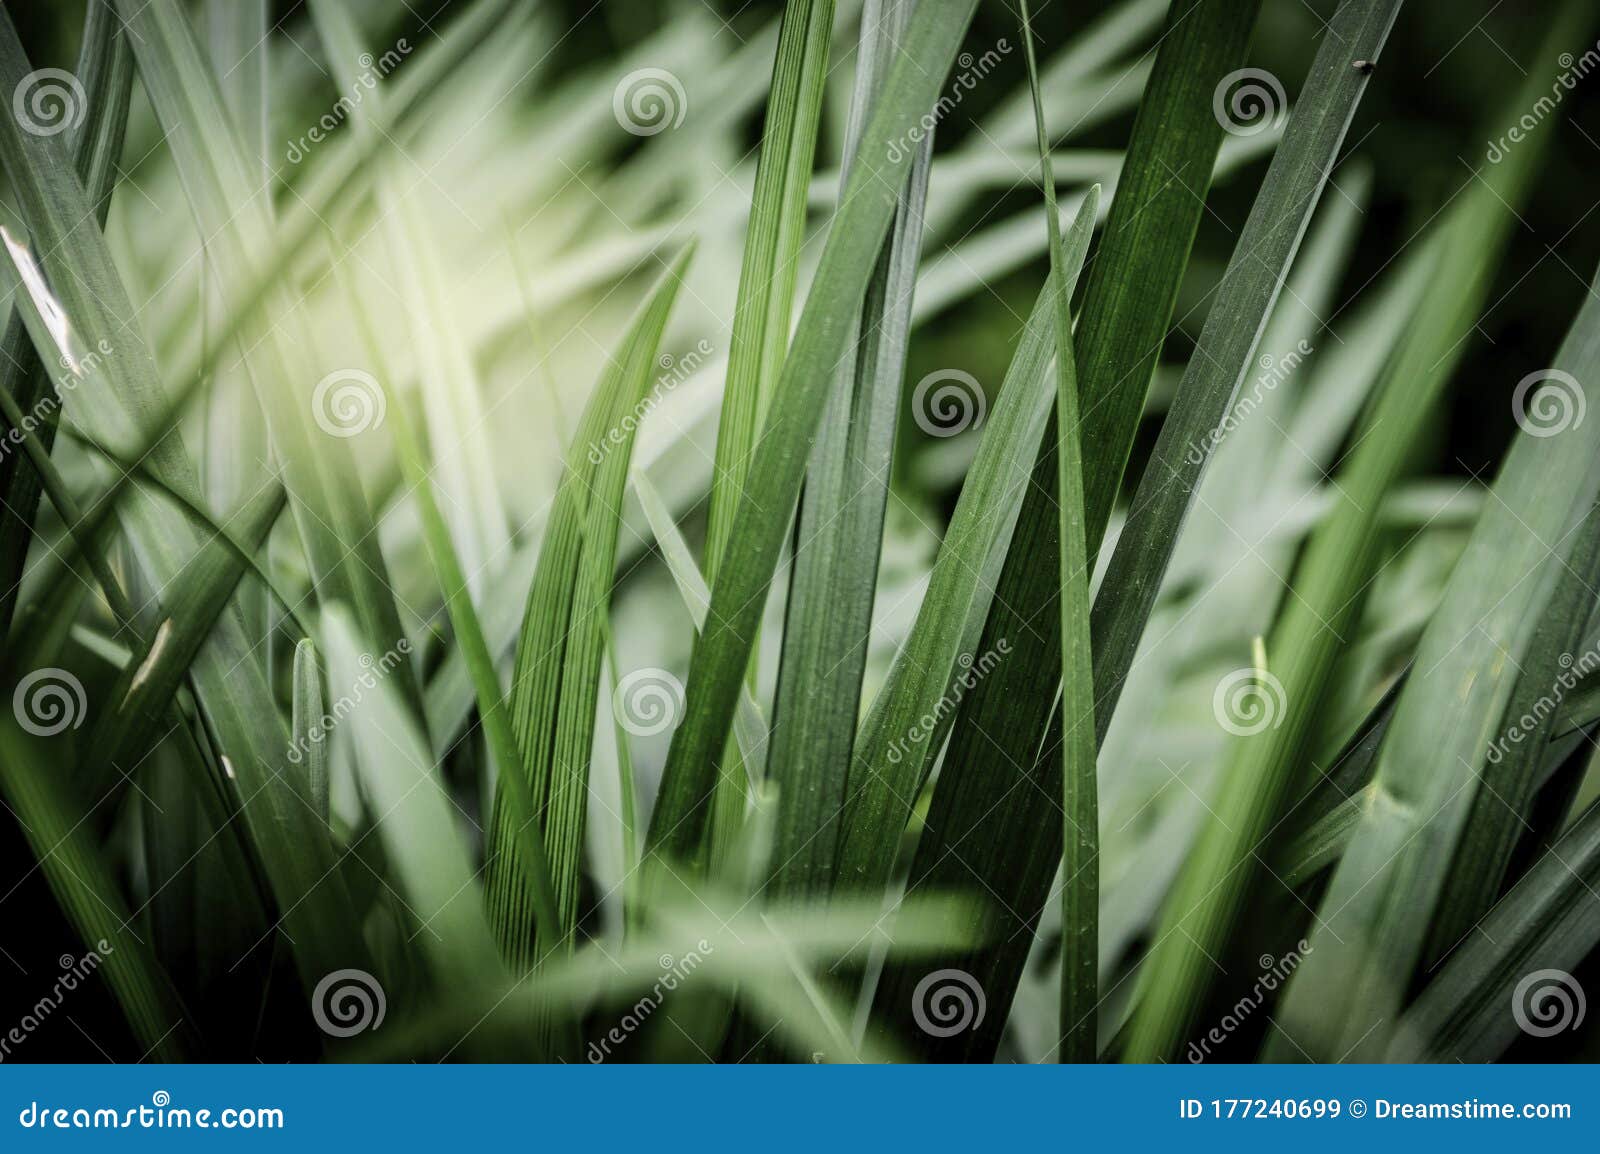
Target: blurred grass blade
{"points": [[762, 311], [412, 814], [326, 496], [105, 70], [849, 257], [1080, 891], [1511, 773], [88, 326], [555, 684], [1517, 968], [88, 893], [1449, 718], [310, 707], [839, 532], [1225, 353], [1203, 908]]}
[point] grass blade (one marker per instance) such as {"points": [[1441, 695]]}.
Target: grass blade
{"points": [[560, 650], [1080, 893], [762, 310], [1390, 882], [1226, 350], [826, 326], [1206, 903], [840, 525]]}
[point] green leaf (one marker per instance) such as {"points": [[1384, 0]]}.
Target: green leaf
{"points": [[1387, 893], [561, 647], [105, 70], [1219, 876], [762, 312], [330, 508], [114, 396], [938, 667], [1516, 969], [826, 326], [840, 525], [1080, 892], [1225, 353], [87, 891], [310, 707]]}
